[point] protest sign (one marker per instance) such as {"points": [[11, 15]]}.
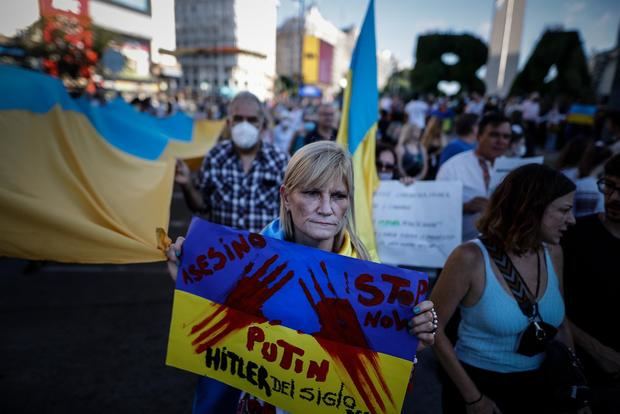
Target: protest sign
{"points": [[419, 224], [503, 166], [304, 329]]}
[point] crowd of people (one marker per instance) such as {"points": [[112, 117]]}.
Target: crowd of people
{"points": [[248, 180]]}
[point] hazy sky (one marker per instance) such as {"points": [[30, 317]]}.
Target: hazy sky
{"points": [[399, 22]]}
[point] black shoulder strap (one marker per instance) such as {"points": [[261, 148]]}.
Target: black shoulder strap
{"points": [[512, 277]]}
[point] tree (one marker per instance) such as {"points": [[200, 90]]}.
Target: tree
{"points": [[564, 50], [430, 69], [399, 84], [285, 84]]}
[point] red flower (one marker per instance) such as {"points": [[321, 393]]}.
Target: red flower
{"points": [[91, 55], [88, 39], [90, 88], [50, 67], [86, 71]]}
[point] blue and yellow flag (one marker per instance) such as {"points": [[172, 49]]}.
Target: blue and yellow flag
{"points": [[80, 182], [358, 125]]}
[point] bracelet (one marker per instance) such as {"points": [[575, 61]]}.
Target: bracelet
{"points": [[476, 401]]}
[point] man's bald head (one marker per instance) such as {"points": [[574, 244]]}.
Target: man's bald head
{"points": [[245, 106]]}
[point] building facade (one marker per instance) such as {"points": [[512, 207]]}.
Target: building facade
{"points": [[504, 46], [226, 46], [142, 31], [326, 51]]}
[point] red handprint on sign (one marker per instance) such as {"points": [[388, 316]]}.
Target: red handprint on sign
{"points": [[339, 324], [336, 316], [247, 297]]}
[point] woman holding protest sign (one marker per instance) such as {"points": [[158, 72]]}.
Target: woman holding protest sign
{"points": [[507, 284], [316, 210]]}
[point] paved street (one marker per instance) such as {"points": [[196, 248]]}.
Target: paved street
{"points": [[93, 339]]}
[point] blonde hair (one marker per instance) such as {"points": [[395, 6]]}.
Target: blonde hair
{"points": [[314, 166], [409, 133], [433, 132]]}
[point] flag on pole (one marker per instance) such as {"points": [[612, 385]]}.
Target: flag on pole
{"points": [[358, 125]]}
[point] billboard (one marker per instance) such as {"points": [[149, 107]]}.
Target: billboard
{"points": [[326, 62], [310, 60], [317, 61], [128, 58]]}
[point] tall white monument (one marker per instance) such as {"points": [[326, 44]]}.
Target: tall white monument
{"points": [[505, 46]]}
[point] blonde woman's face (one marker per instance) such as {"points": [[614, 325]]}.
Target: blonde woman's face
{"points": [[318, 213]]}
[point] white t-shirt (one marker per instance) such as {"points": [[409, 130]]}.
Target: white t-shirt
{"points": [[531, 110], [474, 107], [385, 103], [465, 168], [416, 111]]}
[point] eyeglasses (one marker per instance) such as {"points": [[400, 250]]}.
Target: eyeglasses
{"points": [[384, 166], [607, 187], [241, 118]]}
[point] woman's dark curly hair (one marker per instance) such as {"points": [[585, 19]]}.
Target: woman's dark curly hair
{"points": [[514, 214]]}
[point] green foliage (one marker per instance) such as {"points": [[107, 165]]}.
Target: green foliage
{"points": [[30, 39], [429, 69], [399, 84], [565, 51], [64, 48], [285, 84]]}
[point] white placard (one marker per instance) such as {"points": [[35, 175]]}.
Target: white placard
{"points": [[503, 165], [418, 225]]}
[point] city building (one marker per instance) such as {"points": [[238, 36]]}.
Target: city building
{"points": [[505, 46], [226, 46], [141, 32], [605, 72], [603, 68], [326, 49]]}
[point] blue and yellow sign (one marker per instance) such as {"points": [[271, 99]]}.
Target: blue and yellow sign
{"points": [[304, 329]]}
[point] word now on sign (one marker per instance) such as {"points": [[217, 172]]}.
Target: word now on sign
{"points": [[304, 329]]}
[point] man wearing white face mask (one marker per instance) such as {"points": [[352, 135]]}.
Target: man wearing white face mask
{"points": [[240, 178]]}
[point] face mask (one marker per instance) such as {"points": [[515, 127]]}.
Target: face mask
{"points": [[244, 135], [385, 176]]}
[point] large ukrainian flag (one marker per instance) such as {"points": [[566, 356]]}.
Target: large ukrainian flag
{"points": [[358, 125], [85, 183]]}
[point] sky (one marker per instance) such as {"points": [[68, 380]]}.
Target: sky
{"points": [[399, 22]]}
